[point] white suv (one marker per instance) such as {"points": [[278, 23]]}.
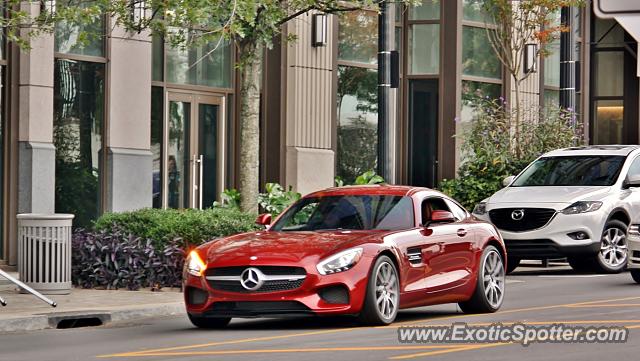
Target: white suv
{"points": [[575, 203]]}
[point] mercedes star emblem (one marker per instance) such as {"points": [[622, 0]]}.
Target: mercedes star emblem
{"points": [[251, 279], [517, 215]]}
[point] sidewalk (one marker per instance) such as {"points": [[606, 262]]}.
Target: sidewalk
{"points": [[27, 313]]}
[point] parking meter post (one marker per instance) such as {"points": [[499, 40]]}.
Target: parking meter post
{"points": [[26, 288]]}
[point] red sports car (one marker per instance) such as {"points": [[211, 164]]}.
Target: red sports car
{"points": [[360, 250]]}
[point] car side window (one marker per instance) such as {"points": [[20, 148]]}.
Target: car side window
{"points": [[432, 204], [634, 169], [457, 211]]}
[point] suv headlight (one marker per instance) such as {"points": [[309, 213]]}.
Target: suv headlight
{"points": [[195, 265], [340, 262], [480, 208], [582, 207]]}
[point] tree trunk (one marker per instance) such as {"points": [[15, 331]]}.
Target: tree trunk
{"points": [[250, 83], [516, 88]]}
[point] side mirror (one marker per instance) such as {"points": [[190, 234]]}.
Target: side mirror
{"points": [[508, 180], [264, 219], [442, 217], [632, 181]]}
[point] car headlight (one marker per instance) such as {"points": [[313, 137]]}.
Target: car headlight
{"points": [[480, 208], [340, 262], [195, 265], [582, 207], [634, 230]]}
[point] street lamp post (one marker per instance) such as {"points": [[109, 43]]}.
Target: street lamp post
{"points": [[384, 85]]}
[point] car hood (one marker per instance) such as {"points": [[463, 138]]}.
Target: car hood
{"points": [[557, 195], [289, 247]]}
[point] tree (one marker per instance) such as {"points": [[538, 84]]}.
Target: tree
{"points": [[250, 24], [513, 24]]}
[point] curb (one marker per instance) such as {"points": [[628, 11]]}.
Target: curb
{"points": [[51, 320]]}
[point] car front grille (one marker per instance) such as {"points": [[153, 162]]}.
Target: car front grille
{"points": [[532, 218], [279, 279], [257, 308]]}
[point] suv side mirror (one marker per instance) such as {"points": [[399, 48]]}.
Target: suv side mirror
{"points": [[632, 181], [264, 219], [442, 217], [508, 180]]}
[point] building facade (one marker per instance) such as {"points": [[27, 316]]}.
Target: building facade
{"points": [[126, 121]]}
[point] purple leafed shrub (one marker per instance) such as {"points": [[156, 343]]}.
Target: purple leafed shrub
{"points": [[116, 260]]}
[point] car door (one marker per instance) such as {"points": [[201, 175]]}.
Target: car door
{"points": [[631, 196], [450, 266]]}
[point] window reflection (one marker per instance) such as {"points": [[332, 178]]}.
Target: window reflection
{"points": [[78, 122], [207, 65], [358, 37]]}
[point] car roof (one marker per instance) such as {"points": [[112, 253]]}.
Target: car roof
{"points": [[616, 149], [373, 189]]}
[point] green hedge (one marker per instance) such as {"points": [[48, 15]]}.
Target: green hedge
{"points": [[191, 225]]}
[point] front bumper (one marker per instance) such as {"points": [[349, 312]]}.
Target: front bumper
{"points": [[633, 242], [311, 298], [553, 240]]}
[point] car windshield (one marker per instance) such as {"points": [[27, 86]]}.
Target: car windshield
{"points": [[348, 212], [571, 171]]}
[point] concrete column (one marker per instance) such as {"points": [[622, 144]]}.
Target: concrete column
{"points": [[308, 98], [36, 153], [129, 158]]}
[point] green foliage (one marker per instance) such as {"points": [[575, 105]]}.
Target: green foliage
{"points": [[275, 199], [489, 146], [230, 199], [191, 226], [368, 177]]}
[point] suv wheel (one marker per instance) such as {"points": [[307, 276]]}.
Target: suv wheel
{"points": [[612, 257]]}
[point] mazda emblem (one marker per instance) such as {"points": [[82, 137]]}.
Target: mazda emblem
{"points": [[251, 279], [517, 215]]}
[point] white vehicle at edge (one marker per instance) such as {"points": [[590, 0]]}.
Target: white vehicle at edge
{"points": [[575, 203], [634, 249]]}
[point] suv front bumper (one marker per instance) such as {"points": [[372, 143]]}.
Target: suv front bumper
{"points": [[553, 240], [633, 242]]}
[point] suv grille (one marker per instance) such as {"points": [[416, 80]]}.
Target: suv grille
{"points": [[532, 218], [297, 275]]}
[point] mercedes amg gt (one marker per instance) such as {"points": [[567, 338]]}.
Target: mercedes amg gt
{"points": [[360, 250]]}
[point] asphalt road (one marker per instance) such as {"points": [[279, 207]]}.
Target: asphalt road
{"points": [[536, 297]]}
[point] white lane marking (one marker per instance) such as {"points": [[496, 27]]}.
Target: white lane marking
{"points": [[514, 281]]}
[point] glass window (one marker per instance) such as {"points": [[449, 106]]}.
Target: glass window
{"points": [[207, 65], [357, 105], [478, 57], [473, 10], [86, 39], [157, 100], [2, 71], [609, 73], [552, 65], [552, 97], [634, 169], [358, 37], [77, 135], [471, 91], [571, 171], [427, 10], [424, 49], [178, 152], [157, 59], [608, 33], [364, 212], [608, 121], [457, 210]]}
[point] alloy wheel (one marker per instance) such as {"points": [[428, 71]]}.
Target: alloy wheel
{"points": [[386, 290], [613, 248], [493, 278]]}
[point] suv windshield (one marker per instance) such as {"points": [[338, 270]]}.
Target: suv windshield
{"points": [[571, 171], [352, 212]]}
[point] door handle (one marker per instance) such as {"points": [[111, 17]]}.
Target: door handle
{"points": [[462, 232], [200, 160], [194, 185]]}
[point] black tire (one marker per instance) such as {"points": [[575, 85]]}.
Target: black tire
{"points": [[635, 274], [600, 264], [370, 314], [582, 264], [479, 302], [209, 322], [512, 264]]}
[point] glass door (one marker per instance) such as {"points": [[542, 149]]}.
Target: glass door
{"points": [[195, 150]]}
